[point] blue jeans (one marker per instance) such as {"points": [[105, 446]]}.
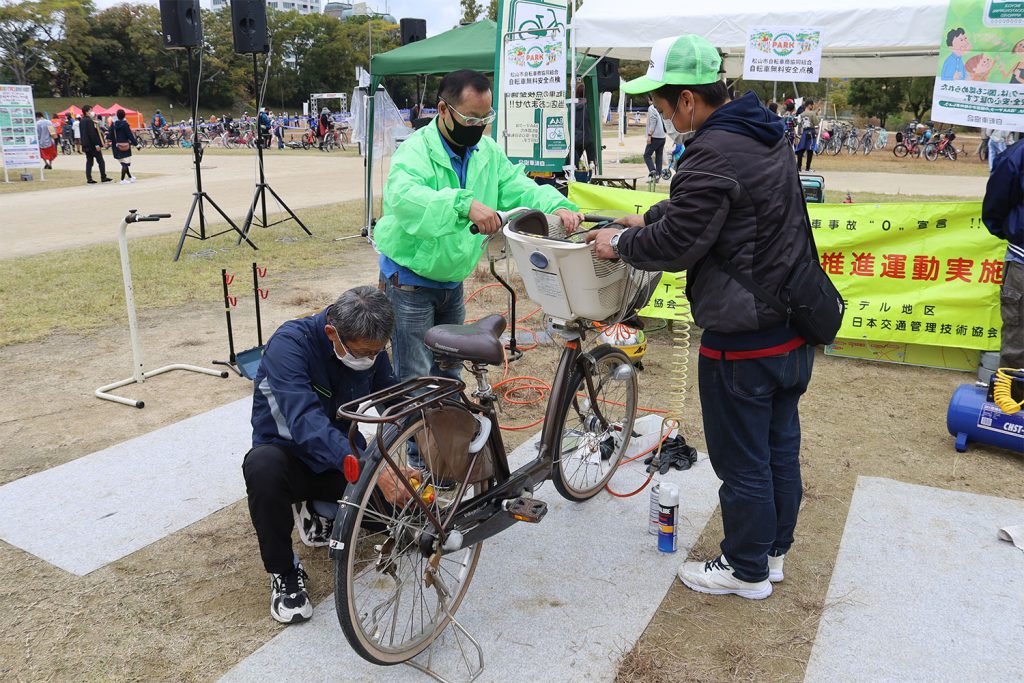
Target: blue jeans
{"points": [[752, 428], [416, 311], [995, 148]]}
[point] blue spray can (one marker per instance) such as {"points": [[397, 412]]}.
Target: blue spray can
{"points": [[668, 513]]}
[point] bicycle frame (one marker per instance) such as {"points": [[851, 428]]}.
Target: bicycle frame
{"points": [[484, 510]]}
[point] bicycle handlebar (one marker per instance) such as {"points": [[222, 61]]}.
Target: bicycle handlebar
{"points": [[505, 216], [134, 217]]}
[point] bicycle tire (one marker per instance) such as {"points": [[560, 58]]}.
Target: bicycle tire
{"points": [[362, 541], [950, 152], [583, 441], [867, 144], [983, 152], [305, 144], [931, 152], [852, 144], [900, 151]]}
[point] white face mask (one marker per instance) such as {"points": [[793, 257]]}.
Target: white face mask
{"points": [[678, 136], [358, 364]]}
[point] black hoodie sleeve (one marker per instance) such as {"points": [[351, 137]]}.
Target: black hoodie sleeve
{"points": [[688, 223]]}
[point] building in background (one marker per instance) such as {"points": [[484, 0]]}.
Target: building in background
{"points": [[301, 6], [346, 10]]}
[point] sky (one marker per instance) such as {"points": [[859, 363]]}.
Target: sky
{"points": [[441, 15]]}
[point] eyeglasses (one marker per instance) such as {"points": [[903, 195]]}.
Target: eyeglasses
{"points": [[473, 120], [372, 354]]}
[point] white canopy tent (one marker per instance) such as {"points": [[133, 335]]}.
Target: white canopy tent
{"points": [[860, 38]]}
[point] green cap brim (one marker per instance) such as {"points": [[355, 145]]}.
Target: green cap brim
{"points": [[641, 85]]}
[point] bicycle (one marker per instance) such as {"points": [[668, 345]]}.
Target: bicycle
{"points": [[852, 140], [883, 139], [402, 570], [907, 145], [945, 147]]}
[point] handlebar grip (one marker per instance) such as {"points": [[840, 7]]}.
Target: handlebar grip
{"points": [[474, 229], [147, 219], [160, 215]]}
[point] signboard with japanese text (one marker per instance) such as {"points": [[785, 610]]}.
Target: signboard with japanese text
{"points": [[783, 53], [668, 302], [530, 83], [910, 273], [18, 127], [980, 78]]}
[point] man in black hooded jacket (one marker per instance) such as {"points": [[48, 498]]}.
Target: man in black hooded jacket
{"points": [[736, 195]]}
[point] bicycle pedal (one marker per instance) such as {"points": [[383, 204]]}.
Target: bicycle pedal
{"points": [[527, 509]]}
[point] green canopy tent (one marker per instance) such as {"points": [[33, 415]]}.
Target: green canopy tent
{"points": [[465, 47]]}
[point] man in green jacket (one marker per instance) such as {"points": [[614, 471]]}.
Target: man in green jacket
{"points": [[444, 178]]}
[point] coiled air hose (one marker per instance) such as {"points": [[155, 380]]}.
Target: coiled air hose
{"points": [[1002, 387]]}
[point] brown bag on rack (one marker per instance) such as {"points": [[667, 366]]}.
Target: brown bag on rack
{"points": [[444, 446]]}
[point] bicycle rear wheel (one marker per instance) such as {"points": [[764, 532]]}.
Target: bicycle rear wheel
{"points": [[950, 152], [388, 608], [589, 451], [931, 153]]}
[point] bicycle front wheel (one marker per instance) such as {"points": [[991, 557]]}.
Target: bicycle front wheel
{"points": [[391, 605], [588, 449], [950, 152], [931, 153]]}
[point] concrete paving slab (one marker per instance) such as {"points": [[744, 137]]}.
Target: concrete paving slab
{"points": [[99, 508], [923, 590], [556, 601]]}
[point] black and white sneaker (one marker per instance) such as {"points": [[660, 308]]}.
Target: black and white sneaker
{"points": [[289, 602], [314, 530]]}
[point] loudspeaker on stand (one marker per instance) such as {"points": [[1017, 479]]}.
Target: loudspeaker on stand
{"points": [[181, 23], [249, 26]]}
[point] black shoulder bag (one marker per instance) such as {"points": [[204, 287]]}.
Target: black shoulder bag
{"points": [[808, 300]]}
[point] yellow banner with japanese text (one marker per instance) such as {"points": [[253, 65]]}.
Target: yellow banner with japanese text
{"points": [[912, 273]]}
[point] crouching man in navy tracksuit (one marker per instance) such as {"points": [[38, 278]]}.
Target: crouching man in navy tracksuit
{"points": [[310, 367]]}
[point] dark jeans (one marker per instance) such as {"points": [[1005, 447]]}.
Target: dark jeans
{"points": [[655, 148], [274, 479], [1011, 297], [588, 146], [97, 156], [800, 158], [416, 311], [752, 428]]}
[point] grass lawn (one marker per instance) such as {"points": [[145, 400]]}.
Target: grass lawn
{"points": [[55, 178], [34, 290]]}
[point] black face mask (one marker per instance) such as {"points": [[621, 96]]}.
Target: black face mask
{"points": [[462, 135]]}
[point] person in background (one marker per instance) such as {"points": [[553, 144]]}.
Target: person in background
{"points": [[789, 122], [76, 130], [310, 368], [655, 149], [773, 107], [414, 113], [45, 137], [67, 131], [279, 131], [583, 130], [1002, 211], [92, 143], [158, 123], [122, 139], [809, 134], [444, 178], [263, 128], [996, 145], [735, 195], [324, 125]]}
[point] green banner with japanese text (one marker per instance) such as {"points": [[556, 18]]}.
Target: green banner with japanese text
{"points": [[910, 273]]}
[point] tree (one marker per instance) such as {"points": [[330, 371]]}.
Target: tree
{"points": [[471, 11], [878, 96], [919, 96], [492, 10], [33, 32]]}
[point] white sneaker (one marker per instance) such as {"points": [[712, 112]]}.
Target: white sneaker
{"points": [[715, 577], [123, 182], [775, 568], [131, 179], [314, 530], [289, 602]]}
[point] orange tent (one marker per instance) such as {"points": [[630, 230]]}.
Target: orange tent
{"points": [[134, 118], [73, 110]]}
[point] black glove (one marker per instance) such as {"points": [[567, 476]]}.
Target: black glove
{"points": [[674, 453]]}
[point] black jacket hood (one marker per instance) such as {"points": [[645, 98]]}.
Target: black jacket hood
{"points": [[748, 117]]}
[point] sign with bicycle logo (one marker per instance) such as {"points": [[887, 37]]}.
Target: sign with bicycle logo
{"points": [[783, 53], [530, 82]]}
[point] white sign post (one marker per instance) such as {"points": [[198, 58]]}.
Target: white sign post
{"points": [[18, 129], [783, 53], [530, 83]]}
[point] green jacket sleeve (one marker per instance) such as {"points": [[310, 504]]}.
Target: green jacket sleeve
{"points": [[516, 189], [420, 210]]}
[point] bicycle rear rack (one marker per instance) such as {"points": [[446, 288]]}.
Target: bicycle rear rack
{"points": [[400, 401]]}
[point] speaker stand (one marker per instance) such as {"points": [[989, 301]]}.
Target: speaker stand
{"points": [[262, 187], [200, 195]]}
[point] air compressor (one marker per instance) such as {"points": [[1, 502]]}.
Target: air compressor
{"points": [[991, 414]]}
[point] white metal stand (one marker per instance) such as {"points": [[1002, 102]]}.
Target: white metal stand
{"points": [[459, 632], [138, 374]]}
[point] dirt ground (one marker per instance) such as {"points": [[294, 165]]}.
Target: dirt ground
{"points": [[190, 606]]}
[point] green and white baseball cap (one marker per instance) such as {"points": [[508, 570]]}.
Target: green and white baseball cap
{"points": [[688, 59]]}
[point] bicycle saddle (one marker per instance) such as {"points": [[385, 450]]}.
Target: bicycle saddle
{"points": [[476, 342]]}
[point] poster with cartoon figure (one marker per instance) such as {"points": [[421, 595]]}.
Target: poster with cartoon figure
{"points": [[981, 65]]}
